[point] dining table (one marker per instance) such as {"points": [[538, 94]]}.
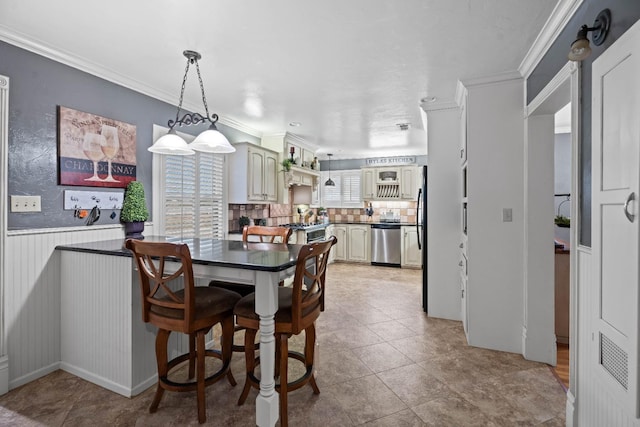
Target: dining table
{"points": [[92, 272]]}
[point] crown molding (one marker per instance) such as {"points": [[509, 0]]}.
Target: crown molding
{"points": [[560, 16], [40, 48], [489, 80], [440, 105]]}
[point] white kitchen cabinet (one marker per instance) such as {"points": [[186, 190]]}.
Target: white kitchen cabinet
{"points": [[368, 183], [358, 247], [340, 248], [253, 174], [409, 182], [354, 242], [410, 255], [390, 183], [331, 231]]}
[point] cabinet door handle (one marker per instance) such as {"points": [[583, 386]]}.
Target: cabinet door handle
{"points": [[628, 214], [460, 263]]}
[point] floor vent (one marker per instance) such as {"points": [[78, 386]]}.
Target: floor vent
{"points": [[614, 360]]}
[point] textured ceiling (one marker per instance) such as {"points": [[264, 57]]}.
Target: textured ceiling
{"points": [[347, 71]]}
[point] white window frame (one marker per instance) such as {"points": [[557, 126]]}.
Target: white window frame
{"points": [[158, 187], [341, 178]]}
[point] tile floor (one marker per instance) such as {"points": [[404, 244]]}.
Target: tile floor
{"points": [[382, 362]]}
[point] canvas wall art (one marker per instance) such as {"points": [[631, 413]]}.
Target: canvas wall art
{"points": [[95, 151]]}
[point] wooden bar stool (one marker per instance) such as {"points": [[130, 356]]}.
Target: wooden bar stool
{"points": [[192, 310], [298, 309]]}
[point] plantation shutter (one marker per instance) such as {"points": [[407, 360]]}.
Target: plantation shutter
{"points": [[193, 195], [346, 192]]}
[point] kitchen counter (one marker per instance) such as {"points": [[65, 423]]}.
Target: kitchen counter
{"points": [[375, 223]]}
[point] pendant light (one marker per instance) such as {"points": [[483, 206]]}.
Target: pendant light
{"points": [[330, 182], [209, 141]]}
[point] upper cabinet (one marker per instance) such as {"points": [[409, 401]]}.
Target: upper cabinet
{"points": [[253, 174], [390, 183]]}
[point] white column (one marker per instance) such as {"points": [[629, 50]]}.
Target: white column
{"points": [[267, 402]]}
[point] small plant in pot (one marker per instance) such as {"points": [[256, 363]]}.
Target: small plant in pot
{"points": [[286, 164], [134, 211]]}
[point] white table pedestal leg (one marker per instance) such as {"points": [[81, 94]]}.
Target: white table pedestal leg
{"points": [[267, 402]]}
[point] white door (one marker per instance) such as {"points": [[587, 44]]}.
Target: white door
{"points": [[615, 160]]}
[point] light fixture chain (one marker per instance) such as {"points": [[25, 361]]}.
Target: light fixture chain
{"points": [[184, 84], [204, 98]]}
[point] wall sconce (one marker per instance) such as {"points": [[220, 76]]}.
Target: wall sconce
{"points": [[580, 48], [209, 141]]}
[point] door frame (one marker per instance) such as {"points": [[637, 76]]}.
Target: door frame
{"points": [[539, 341], [4, 177]]}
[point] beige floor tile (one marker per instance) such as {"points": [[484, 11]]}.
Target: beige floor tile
{"points": [[380, 362]]}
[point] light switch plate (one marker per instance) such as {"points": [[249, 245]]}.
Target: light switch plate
{"points": [[507, 215], [25, 204]]}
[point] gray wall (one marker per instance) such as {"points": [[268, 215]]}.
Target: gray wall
{"points": [[347, 164], [624, 13], [37, 86]]}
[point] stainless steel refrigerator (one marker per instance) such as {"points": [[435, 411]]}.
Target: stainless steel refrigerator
{"points": [[421, 219]]}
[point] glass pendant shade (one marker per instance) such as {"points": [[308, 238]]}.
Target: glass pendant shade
{"points": [[580, 50], [212, 141], [171, 144], [329, 182]]}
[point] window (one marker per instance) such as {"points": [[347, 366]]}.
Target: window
{"points": [[189, 195], [346, 192]]}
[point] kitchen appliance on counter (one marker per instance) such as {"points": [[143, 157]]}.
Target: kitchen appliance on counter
{"points": [[386, 241]]}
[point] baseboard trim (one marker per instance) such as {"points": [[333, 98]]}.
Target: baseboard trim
{"points": [[4, 374], [32, 376], [570, 420], [99, 380]]}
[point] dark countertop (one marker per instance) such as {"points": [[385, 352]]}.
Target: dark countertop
{"points": [[223, 253], [404, 224]]}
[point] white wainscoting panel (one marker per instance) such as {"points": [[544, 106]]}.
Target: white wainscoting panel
{"points": [[595, 406], [33, 297]]}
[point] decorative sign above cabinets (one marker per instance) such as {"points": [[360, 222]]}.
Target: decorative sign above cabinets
{"points": [[385, 161]]}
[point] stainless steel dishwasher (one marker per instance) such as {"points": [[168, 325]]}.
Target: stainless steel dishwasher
{"points": [[385, 244]]}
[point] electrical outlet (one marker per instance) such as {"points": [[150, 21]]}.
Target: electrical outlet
{"points": [[507, 215], [25, 204]]}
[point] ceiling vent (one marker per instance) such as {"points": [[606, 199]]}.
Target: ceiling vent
{"points": [[404, 126]]}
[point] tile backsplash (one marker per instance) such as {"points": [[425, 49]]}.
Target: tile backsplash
{"points": [[277, 214]]}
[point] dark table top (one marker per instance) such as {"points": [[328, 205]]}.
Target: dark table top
{"points": [[223, 253]]}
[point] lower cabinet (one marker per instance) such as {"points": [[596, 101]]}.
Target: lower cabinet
{"points": [[411, 254], [359, 246], [340, 249], [354, 242]]}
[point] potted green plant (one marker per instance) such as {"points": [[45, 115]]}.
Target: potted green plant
{"points": [[286, 164], [134, 211], [244, 220], [562, 221]]}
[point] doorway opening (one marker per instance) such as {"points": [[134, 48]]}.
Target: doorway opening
{"points": [[562, 245]]}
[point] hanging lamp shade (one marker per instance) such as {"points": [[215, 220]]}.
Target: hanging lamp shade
{"points": [[209, 141], [171, 144], [329, 182], [212, 141]]}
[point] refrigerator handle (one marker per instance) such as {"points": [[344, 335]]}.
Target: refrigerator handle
{"points": [[418, 219]]}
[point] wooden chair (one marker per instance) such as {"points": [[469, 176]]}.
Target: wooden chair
{"points": [[192, 310], [298, 309], [264, 234]]}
